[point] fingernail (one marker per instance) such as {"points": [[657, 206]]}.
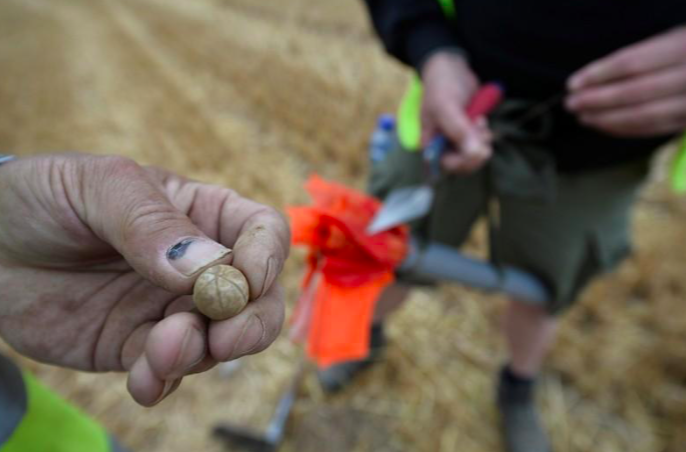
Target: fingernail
{"points": [[270, 276], [168, 385], [250, 337], [193, 254], [193, 345], [572, 103]]}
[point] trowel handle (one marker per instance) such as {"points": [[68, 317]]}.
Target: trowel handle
{"points": [[432, 156], [485, 100]]}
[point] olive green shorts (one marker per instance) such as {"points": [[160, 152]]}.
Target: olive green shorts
{"points": [[564, 228]]}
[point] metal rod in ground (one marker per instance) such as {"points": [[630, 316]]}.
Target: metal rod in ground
{"points": [[249, 439]]}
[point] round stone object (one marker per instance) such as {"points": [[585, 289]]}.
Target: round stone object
{"points": [[221, 292]]}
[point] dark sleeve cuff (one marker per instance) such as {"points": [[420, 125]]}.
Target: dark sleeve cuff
{"points": [[426, 37]]}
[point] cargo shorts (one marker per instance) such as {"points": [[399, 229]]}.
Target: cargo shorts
{"points": [[564, 228]]}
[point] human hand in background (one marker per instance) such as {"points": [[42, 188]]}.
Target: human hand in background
{"points": [[98, 257], [638, 91], [449, 85]]}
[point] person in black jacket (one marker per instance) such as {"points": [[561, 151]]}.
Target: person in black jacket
{"points": [[614, 74]]}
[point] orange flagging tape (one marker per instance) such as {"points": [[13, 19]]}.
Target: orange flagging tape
{"points": [[346, 272]]}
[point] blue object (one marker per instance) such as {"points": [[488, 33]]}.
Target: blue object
{"points": [[432, 156], [382, 138]]}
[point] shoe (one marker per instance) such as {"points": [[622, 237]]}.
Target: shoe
{"points": [[335, 378], [521, 426]]}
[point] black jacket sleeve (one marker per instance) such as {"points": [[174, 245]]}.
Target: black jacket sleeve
{"points": [[411, 29]]}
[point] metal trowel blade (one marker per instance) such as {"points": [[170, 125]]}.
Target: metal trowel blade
{"points": [[401, 206]]}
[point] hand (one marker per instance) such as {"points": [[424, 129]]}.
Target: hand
{"points": [[449, 84], [89, 279], [638, 91]]}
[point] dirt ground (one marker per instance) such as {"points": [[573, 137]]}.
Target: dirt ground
{"points": [[258, 95]]}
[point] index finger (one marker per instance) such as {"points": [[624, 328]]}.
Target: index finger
{"points": [[262, 244], [645, 56]]}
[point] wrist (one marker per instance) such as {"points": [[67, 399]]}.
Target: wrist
{"points": [[423, 36], [446, 59], [455, 54], [447, 74]]}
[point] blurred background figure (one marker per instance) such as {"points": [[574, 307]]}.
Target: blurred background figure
{"points": [[558, 190]]}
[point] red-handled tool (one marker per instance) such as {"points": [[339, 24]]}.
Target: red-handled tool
{"points": [[409, 203], [485, 100], [482, 103]]}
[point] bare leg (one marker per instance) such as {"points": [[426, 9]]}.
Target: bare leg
{"points": [[530, 332]]}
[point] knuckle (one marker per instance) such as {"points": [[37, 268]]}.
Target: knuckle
{"points": [[263, 222], [610, 96], [641, 92], [273, 214], [627, 63], [153, 218], [116, 168], [272, 324], [117, 163]]}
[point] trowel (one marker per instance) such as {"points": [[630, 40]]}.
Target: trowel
{"points": [[409, 203]]}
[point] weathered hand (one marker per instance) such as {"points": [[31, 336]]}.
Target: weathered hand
{"points": [[638, 91], [449, 85], [98, 256]]}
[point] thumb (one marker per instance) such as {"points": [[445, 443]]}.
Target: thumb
{"points": [[455, 125], [471, 146], [127, 209]]}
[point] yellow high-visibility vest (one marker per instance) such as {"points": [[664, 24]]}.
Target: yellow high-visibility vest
{"points": [[35, 419]]}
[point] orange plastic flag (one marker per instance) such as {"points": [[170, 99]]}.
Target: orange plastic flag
{"points": [[347, 270]]}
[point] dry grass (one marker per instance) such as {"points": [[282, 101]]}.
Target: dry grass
{"points": [[256, 95]]}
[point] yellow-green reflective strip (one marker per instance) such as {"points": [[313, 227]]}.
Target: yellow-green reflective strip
{"points": [[448, 8], [409, 121], [51, 424], [678, 170]]}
